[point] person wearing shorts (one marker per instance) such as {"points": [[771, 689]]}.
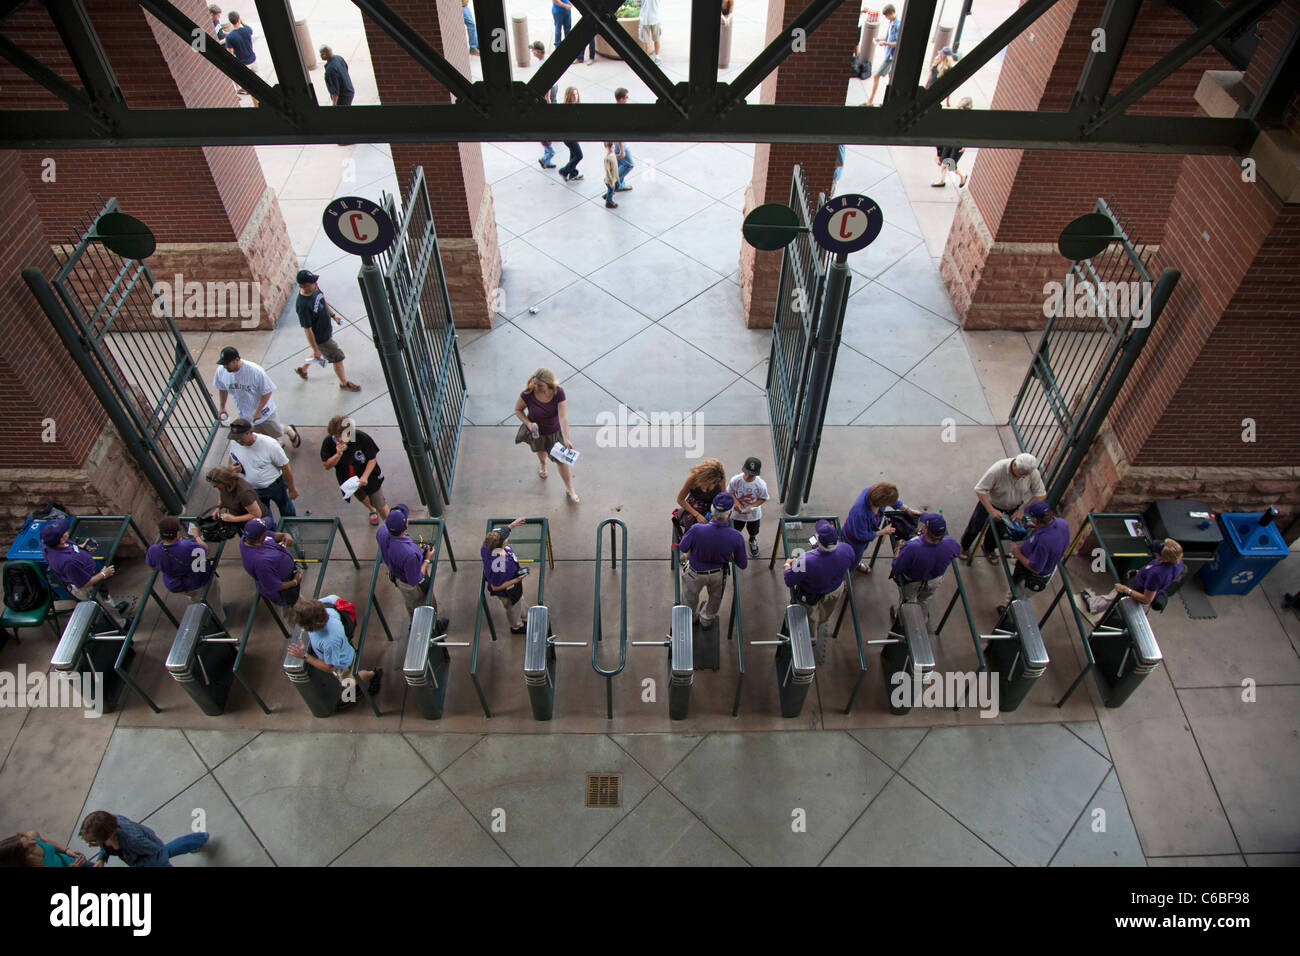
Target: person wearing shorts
{"points": [[249, 385], [650, 29], [890, 43], [314, 315]]}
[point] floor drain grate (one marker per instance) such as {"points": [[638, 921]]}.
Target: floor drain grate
{"points": [[604, 790]]}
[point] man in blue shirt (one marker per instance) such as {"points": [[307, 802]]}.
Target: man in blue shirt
{"points": [[504, 575], [338, 83], [890, 43], [74, 566], [135, 843], [331, 651], [314, 315], [707, 549], [816, 580], [185, 565], [239, 41], [409, 565], [919, 566]]}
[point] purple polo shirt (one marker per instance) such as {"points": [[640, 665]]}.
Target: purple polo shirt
{"points": [[710, 546], [402, 555], [176, 561], [71, 564], [270, 565], [509, 567], [823, 571], [862, 522], [922, 560], [1156, 576], [1044, 547]]}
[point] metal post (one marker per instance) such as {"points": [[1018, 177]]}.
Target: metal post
{"points": [[399, 384], [1164, 288], [826, 340], [961, 22]]}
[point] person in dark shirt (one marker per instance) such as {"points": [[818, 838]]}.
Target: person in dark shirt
{"points": [[314, 315], [239, 41], [337, 81], [185, 565], [135, 843], [816, 580], [504, 575], [353, 454], [707, 550]]}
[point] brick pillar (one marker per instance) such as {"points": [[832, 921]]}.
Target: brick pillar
{"points": [[1002, 247], [211, 210], [462, 200], [818, 76], [56, 443]]}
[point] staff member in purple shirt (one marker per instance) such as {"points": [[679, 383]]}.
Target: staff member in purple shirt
{"points": [[920, 564], [270, 563], [504, 576], [866, 518], [1147, 582], [708, 548], [816, 580], [73, 565], [409, 565], [1038, 555], [185, 565]]}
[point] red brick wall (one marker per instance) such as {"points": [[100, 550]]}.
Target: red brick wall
{"points": [[1275, 30]]}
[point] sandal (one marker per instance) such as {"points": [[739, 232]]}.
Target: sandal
{"points": [[571, 495], [864, 567], [294, 437], [348, 386], [302, 372], [963, 556], [541, 473], [374, 517], [991, 557]]}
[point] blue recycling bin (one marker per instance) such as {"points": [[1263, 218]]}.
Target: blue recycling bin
{"points": [[1248, 552]]}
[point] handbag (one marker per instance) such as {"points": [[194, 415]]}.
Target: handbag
{"points": [[214, 529], [525, 434]]}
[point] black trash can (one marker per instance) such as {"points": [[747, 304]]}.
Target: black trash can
{"points": [[1192, 525]]}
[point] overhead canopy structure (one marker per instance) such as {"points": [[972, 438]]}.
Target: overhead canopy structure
{"points": [[704, 109]]}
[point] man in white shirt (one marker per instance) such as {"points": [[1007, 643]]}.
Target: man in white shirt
{"points": [[750, 491], [265, 466], [1005, 489], [649, 29], [250, 386]]}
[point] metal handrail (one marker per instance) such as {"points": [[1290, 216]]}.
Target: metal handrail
{"points": [[596, 627], [1084, 633], [738, 625]]}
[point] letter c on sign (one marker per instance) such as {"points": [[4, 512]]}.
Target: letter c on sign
{"points": [[353, 219], [844, 221]]}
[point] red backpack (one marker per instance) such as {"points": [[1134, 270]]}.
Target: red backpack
{"points": [[347, 613]]}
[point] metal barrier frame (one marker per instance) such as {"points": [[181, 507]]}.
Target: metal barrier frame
{"points": [[597, 630], [482, 612]]}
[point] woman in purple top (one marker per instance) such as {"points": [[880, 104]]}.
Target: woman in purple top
{"points": [[866, 519], [543, 408], [1148, 581]]}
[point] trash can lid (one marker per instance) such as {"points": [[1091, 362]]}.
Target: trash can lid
{"points": [[1251, 538]]}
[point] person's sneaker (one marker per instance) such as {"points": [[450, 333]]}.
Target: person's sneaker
{"points": [[611, 205], [576, 177], [521, 629], [545, 165], [622, 189], [657, 59], [375, 681], [440, 626], [753, 546]]}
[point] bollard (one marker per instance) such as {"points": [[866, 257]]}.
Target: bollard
{"points": [[426, 664], [318, 688], [83, 650], [539, 663], [305, 46], [1125, 650], [942, 38], [1021, 659], [204, 668], [724, 42], [795, 665], [912, 656], [867, 41], [519, 39], [681, 664]]}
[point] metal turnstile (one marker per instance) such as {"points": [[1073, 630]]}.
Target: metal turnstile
{"points": [[202, 659], [92, 644], [539, 661], [907, 652], [320, 689], [1016, 651], [681, 661], [427, 662], [795, 662], [1125, 651]]}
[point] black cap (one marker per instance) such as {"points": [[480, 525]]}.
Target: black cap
{"points": [[753, 466], [306, 275], [228, 355]]}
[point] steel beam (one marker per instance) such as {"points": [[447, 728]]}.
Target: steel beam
{"points": [[910, 55], [1099, 71], [53, 82], [1269, 106], [774, 54], [82, 43], [706, 31], [489, 17], [422, 53], [282, 41]]}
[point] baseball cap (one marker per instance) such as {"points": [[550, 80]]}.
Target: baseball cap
{"points": [[1026, 462], [946, 51], [503, 530], [827, 537], [753, 466], [934, 523], [52, 532], [396, 520], [306, 275], [1037, 509], [722, 505], [241, 426], [228, 355], [255, 528]]}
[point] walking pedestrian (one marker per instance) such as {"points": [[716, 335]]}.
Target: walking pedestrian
{"points": [[410, 566], [239, 503], [338, 82], [1007, 486], [331, 650], [706, 550], [504, 575], [625, 164], [134, 843], [239, 41], [890, 43], [570, 169], [263, 462], [562, 14], [471, 28], [552, 96], [251, 388], [920, 565], [74, 566], [544, 410], [314, 315], [611, 175], [266, 557], [186, 566], [706, 480], [31, 849], [354, 455], [943, 61], [650, 29], [214, 12], [749, 492], [816, 580], [949, 156]]}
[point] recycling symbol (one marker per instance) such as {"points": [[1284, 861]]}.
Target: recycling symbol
{"points": [[1243, 577]]}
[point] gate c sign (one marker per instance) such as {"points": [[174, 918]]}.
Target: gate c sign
{"points": [[358, 226], [847, 223]]}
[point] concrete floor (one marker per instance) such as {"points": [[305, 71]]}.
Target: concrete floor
{"points": [[640, 307]]}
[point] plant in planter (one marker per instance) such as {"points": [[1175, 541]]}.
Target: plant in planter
{"points": [[629, 17]]}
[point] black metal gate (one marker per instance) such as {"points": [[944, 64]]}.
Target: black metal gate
{"points": [[126, 344], [1102, 301], [430, 354], [799, 302]]}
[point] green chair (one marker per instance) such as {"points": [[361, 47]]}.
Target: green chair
{"points": [[11, 620]]}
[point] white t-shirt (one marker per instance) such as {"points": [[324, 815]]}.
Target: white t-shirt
{"points": [[246, 387], [747, 495], [262, 460], [649, 12]]}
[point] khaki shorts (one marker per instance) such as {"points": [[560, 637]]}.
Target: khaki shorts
{"points": [[270, 425], [331, 351], [377, 500], [649, 32]]}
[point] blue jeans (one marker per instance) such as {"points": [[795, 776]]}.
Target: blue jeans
{"points": [[609, 194], [470, 28], [548, 153], [625, 165], [563, 17], [276, 492], [575, 157], [186, 844]]}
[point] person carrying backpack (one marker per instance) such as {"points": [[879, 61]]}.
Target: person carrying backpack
{"points": [[330, 623]]}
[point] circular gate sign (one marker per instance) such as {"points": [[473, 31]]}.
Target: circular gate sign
{"points": [[358, 226], [848, 223]]}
